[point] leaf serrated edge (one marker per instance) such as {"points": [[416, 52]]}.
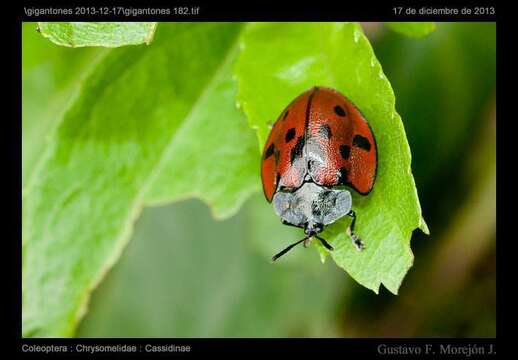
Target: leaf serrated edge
{"points": [[399, 123], [358, 31]]}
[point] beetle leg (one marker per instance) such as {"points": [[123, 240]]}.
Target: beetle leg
{"points": [[356, 240], [325, 243]]}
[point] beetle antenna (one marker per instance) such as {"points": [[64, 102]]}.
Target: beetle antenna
{"points": [[275, 257], [325, 243]]}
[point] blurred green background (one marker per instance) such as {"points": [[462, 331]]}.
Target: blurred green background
{"points": [[178, 279]]}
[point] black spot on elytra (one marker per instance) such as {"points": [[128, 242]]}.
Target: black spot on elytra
{"points": [[290, 135], [339, 110], [345, 151], [297, 149], [342, 176], [269, 151], [362, 142], [285, 114], [277, 179], [325, 130]]}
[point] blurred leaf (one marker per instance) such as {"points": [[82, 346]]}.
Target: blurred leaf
{"points": [[443, 104], [412, 29], [119, 147], [310, 56], [230, 290], [108, 34], [51, 76]]}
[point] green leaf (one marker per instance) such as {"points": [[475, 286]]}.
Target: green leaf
{"points": [[150, 124], [107, 34], [412, 29], [277, 63], [51, 76]]}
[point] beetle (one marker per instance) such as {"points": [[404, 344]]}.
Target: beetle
{"points": [[319, 147]]}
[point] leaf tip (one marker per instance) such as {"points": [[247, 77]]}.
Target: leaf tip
{"points": [[423, 226], [151, 35], [412, 29], [393, 290], [375, 288]]}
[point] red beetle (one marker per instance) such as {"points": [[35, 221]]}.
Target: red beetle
{"points": [[320, 145]]}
